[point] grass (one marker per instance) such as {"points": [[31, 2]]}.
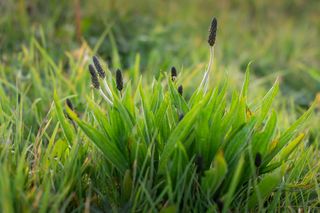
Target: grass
{"points": [[250, 142]]}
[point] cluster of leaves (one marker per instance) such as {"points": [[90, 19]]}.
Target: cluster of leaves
{"points": [[164, 151]]}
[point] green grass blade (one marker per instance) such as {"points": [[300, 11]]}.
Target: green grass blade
{"points": [[264, 188], [109, 149], [234, 183], [66, 126]]}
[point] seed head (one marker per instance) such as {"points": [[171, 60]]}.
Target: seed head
{"points": [[173, 73], [94, 77], [212, 32], [98, 66], [180, 90], [119, 80], [69, 104], [258, 159]]}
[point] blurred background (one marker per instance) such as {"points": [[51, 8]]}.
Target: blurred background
{"points": [[282, 38]]}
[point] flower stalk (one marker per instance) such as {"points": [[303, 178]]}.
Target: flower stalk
{"points": [[211, 41], [173, 73], [102, 75], [95, 81]]}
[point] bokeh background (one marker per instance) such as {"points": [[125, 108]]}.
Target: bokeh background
{"points": [[282, 38]]}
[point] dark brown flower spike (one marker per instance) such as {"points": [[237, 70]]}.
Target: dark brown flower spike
{"points": [[180, 90], [173, 73], [98, 66], [94, 77], [119, 80], [212, 32], [69, 104]]}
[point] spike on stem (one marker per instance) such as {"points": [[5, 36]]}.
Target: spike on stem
{"points": [[173, 73], [69, 104], [98, 66], [94, 77], [211, 40], [119, 80], [212, 32], [180, 89]]}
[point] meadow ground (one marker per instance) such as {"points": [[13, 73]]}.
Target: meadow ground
{"points": [[160, 142]]}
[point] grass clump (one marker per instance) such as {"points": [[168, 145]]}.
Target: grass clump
{"points": [[214, 151]]}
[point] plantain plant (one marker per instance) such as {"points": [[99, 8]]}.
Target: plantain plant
{"points": [[168, 152]]}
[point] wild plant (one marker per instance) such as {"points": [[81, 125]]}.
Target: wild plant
{"points": [[202, 153]]}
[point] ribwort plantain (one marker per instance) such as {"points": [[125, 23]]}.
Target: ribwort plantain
{"points": [[180, 90], [173, 73], [212, 32], [94, 78], [119, 80], [96, 84], [98, 66], [211, 41]]}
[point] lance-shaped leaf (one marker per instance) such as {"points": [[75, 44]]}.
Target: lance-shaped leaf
{"points": [[266, 186], [214, 176], [181, 131], [109, 149], [66, 126]]}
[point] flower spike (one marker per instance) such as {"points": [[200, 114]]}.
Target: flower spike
{"points": [[99, 68], [94, 77]]}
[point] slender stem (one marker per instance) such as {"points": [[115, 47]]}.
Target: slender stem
{"points": [[105, 97], [205, 81], [209, 67], [107, 88]]}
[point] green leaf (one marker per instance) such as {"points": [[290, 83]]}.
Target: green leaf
{"points": [[179, 134], [286, 151], [66, 126], [116, 62], [148, 116], [234, 183], [100, 117], [262, 139], [264, 188], [127, 185], [214, 176], [169, 209], [109, 149], [288, 134], [178, 163], [236, 145], [177, 99], [244, 91], [267, 102], [284, 154]]}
